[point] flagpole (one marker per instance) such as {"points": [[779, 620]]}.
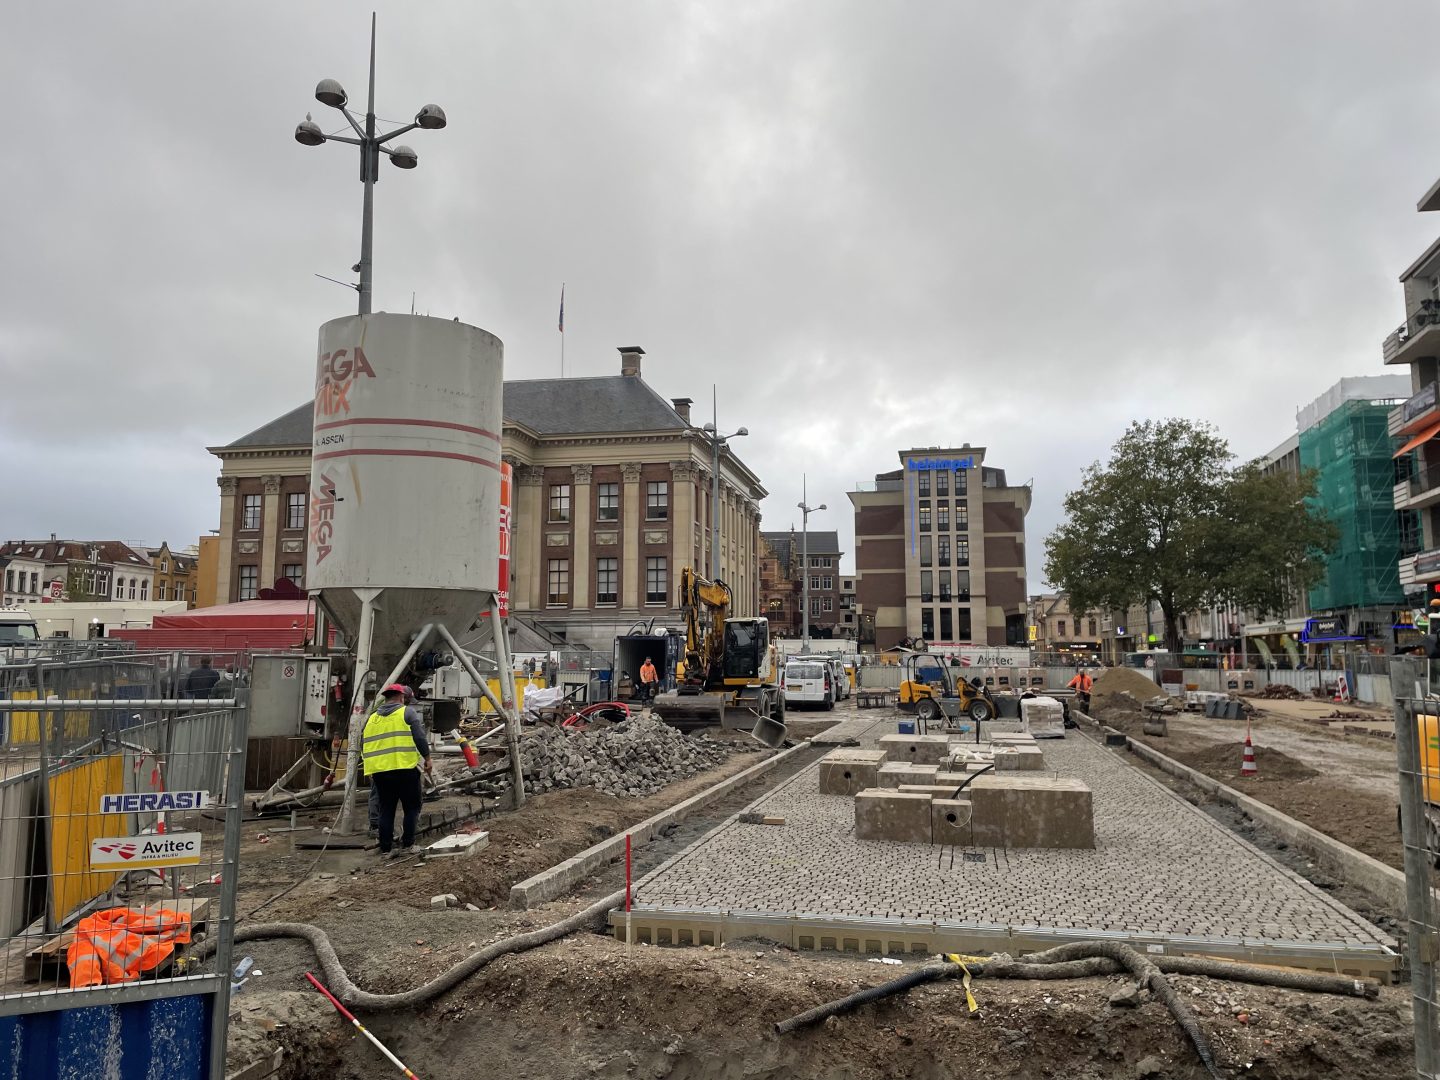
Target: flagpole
{"points": [[562, 330]]}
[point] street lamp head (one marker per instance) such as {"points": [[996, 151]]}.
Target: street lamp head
{"points": [[820, 507], [709, 429], [431, 118], [308, 133], [742, 431], [330, 92], [402, 157]]}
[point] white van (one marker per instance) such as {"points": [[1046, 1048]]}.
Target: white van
{"points": [[839, 680], [808, 682]]}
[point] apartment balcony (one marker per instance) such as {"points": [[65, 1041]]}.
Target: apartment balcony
{"points": [[1421, 490], [1420, 569], [1420, 410], [1416, 337]]}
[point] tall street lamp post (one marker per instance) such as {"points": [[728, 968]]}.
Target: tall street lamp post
{"points": [[307, 133], [805, 511], [716, 441]]}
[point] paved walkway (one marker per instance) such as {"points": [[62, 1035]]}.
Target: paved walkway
{"points": [[1160, 867]]}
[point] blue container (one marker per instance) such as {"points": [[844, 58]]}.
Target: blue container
{"points": [[906, 727]]}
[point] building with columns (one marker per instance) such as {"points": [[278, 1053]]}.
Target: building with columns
{"points": [[611, 500]]}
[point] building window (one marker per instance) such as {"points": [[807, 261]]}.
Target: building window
{"points": [[160, 590], [927, 586], [164, 567], [942, 516], [145, 590], [962, 587], [962, 624], [827, 603], [924, 551], [249, 582], [558, 592], [90, 584], [925, 515], [559, 502], [295, 510], [927, 623], [657, 500], [922, 482], [1060, 628], [962, 552], [962, 485], [250, 512], [814, 581], [294, 573], [962, 517], [829, 582], [34, 582], [657, 584], [944, 584], [1092, 628], [815, 606], [942, 483], [947, 622], [9, 580], [944, 552], [607, 502], [607, 578]]}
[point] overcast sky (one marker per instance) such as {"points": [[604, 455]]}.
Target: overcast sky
{"points": [[873, 225]]}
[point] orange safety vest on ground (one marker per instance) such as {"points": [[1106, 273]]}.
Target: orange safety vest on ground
{"points": [[118, 944]]}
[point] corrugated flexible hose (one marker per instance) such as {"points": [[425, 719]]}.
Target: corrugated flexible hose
{"points": [[1093, 958], [344, 989]]}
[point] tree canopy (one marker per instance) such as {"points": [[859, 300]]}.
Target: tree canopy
{"points": [[1169, 519]]}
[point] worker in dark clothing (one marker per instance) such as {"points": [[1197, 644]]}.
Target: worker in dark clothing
{"points": [[394, 750], [201, 680]]}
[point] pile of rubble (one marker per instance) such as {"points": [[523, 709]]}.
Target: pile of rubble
{"points": [[1280, 691], [635, 758]]}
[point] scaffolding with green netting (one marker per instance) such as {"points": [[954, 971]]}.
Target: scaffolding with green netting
{"points": [[1350, 451]]}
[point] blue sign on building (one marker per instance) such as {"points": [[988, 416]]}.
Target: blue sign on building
{"points": [[920, 464]]}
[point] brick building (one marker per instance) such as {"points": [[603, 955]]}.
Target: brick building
{"points": [[823, 549], [611, 501], [940, 551]]}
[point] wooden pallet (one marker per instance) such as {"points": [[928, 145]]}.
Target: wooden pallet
{"points": [[46, 963]]}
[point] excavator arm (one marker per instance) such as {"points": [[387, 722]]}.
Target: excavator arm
{"points": [[706, 605]]}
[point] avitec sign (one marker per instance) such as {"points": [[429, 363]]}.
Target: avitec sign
{"points": [[921, 464], [164, 849]]}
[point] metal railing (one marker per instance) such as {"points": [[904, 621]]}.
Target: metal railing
{"points": [[1427, 315]]}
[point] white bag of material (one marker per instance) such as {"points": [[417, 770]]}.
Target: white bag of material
{"points": [[535, 700]]}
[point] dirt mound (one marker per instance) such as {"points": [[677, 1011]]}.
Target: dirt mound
{"points": [[1271, 764], [1279, 692], [1122, 680]]}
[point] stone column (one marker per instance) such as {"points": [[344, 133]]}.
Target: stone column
{"points": [[224, 556], [632, 571], [580, 538], [270, 546], [682, 514], [526, 536]]}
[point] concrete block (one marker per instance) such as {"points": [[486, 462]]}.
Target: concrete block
{"points": [[1003, 738], [938, 791], [893, 774], [1019, 759], [445, 900], [462, 843], [846, 772], [892, 815], [950, 821], [916, 749], [1016, 810]]}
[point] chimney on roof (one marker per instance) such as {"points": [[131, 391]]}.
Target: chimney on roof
{"points": [[682, 406], [630, 360]]}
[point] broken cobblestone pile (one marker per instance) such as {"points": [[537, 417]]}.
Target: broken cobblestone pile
{"points": [[632, 759]]}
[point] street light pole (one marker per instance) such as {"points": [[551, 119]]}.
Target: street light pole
{"points": [[307, 133], [716, 441], [805, 511]]}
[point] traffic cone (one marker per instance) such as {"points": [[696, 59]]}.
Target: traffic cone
{"points": [[1247, 762]]}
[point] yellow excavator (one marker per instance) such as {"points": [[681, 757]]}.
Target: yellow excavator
{"points": [[728, 675], [930, 689]]}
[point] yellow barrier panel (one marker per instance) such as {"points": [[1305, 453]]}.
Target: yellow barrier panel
{"points": [[75, 820], [521, 685], [25, 726]]}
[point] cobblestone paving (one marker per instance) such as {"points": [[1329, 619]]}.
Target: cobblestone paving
{"points": [[1160, 867]]}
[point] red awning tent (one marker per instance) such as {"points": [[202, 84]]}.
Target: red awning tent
{"points": [[248, 625]]}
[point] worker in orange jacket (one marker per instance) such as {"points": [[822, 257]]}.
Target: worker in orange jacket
{"points": [[1081, 684], [120, 944]]}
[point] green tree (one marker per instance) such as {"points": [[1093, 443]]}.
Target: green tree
{"points": [[1168, 520], [75, 590]]}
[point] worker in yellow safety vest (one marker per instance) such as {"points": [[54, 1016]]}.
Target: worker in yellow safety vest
{"points": [[394, 748], [1081, 684]]}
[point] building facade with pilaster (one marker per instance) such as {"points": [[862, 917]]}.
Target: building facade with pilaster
{"points": [[611, 500]]}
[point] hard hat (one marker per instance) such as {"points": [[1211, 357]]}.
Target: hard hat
{"points": [[398, 688]]}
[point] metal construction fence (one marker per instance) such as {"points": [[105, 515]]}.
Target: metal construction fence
{"points": [[120, 821], [1417, 753]]}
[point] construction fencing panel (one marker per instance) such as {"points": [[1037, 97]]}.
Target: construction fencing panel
{"points": [[1417, 754], [119, 844]]}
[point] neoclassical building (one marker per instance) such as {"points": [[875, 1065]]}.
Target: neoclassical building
{"points": [[611, 499]]}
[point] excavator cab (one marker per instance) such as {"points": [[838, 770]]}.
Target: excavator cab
{"points": [[929, 689]]}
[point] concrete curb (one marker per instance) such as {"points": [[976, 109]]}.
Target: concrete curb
{"points": [[555, 881], [1385, 883]]}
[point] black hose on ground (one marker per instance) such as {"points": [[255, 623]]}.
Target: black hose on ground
{"points": [[341, 986], [1086, 959]]}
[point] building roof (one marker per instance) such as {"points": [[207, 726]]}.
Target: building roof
{"points": [[57, 551], [590, 405], [820, 543]]}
